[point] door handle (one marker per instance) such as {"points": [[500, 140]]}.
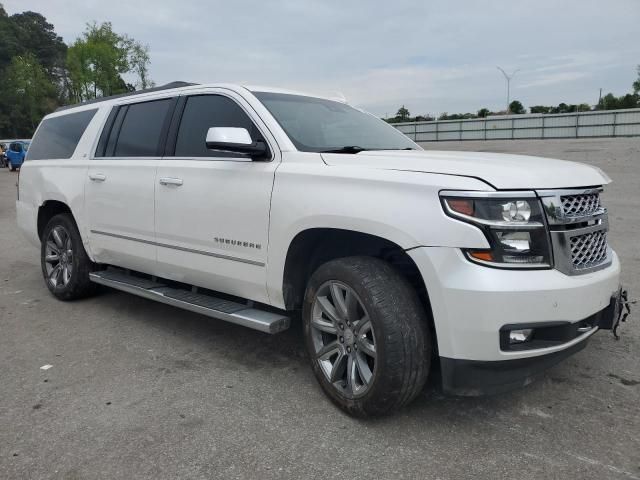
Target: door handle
{"points": [[170, 181], [97, 177]]}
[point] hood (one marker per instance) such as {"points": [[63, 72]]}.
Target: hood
{"points": [[502, 171]]}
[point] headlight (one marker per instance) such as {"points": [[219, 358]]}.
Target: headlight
{"points": [[513, 223]]}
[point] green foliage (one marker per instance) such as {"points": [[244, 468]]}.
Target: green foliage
{"points": [[636, 84], [456, 116], [611, 102], [484, 113], [27, 95], [403, 114], [517, 108], [97, 60], [39, 72]]}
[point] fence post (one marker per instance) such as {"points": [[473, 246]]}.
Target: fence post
{"points": [[577, 121], [485, 127], [436, 130], [543, 127], [615, 122]]}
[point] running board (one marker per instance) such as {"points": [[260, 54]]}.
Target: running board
{"points": [[208, 305]]}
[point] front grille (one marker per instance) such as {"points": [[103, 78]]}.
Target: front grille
{"points": [[580, 205], [589, 249], [578, 225]]}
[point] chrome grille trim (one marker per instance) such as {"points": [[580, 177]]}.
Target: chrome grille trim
{"points": [[583, 249], [589, 249], [580, 205]]}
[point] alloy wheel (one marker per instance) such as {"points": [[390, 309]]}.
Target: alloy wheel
{"points": [[343, 339], [59, 257]]}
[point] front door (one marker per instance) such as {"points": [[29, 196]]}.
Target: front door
{"points": [[212, 208]]}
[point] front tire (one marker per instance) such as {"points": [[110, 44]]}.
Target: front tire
{"points": [[65, 263], [367, 336]]}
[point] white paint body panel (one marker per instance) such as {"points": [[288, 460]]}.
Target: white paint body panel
{"points": [[393, 195]]}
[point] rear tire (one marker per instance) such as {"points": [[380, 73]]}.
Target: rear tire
{"points": [[367, 336], [65, 263]]}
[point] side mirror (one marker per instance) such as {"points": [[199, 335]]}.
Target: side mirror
{"points": [[238, 140]]}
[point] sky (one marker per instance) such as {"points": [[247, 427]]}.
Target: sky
{"points": [[430, 56]]}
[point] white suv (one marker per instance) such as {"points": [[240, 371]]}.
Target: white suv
{"points": [[250, 204]]}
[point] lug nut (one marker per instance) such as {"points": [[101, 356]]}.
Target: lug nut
{"points": [[341, 327], [341, 339], [349, 349]]}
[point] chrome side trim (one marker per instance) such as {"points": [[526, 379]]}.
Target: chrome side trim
{"points": [[182, 249]]}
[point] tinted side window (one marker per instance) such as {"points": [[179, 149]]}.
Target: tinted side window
{"points": [[202, 112], [58, 137], [141, 129]]}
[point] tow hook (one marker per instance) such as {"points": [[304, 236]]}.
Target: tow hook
{"points": [[622, 311]]}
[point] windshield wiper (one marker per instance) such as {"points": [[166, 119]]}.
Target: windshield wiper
{"points": [[346, 149]]}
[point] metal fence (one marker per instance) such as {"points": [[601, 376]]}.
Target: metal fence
{"points": [[603, 123]]}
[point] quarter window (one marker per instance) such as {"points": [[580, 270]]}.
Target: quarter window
{"points": [[140, 134], [58, 137], [201, 112]]}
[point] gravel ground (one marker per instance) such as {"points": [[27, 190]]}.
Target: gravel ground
{"points": [[142, 390]]}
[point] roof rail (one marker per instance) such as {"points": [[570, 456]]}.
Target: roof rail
{"points": [[168, 86]]}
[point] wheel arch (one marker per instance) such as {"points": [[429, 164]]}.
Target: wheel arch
{"points": [[48, 210], [312, 247]]}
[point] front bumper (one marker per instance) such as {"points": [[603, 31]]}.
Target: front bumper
{"points": [[472, 378], [472, 303]]}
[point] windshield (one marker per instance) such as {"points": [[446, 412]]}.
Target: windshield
{"points": [[319, 125]]}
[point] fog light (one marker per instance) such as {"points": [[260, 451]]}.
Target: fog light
{"points": [[520, 336]]}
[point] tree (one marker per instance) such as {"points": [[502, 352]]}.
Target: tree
{"points": [[403, 114], [540, 109], [35, 35], [139, 60], [611, 102], [484, 113], [97, 61], [636, 84], [516, 108], [27, 95]]}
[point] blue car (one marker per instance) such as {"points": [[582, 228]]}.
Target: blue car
{"points": [[15, 154]]}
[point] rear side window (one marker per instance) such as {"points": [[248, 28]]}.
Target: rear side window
{"points": [[141, 131], [58, 137], [16, 147], [202, 112]]}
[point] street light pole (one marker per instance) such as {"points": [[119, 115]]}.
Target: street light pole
{"points": [[508, 79]]}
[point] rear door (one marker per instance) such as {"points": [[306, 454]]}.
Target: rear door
{"points": [[212, 207], [120, 185]]}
